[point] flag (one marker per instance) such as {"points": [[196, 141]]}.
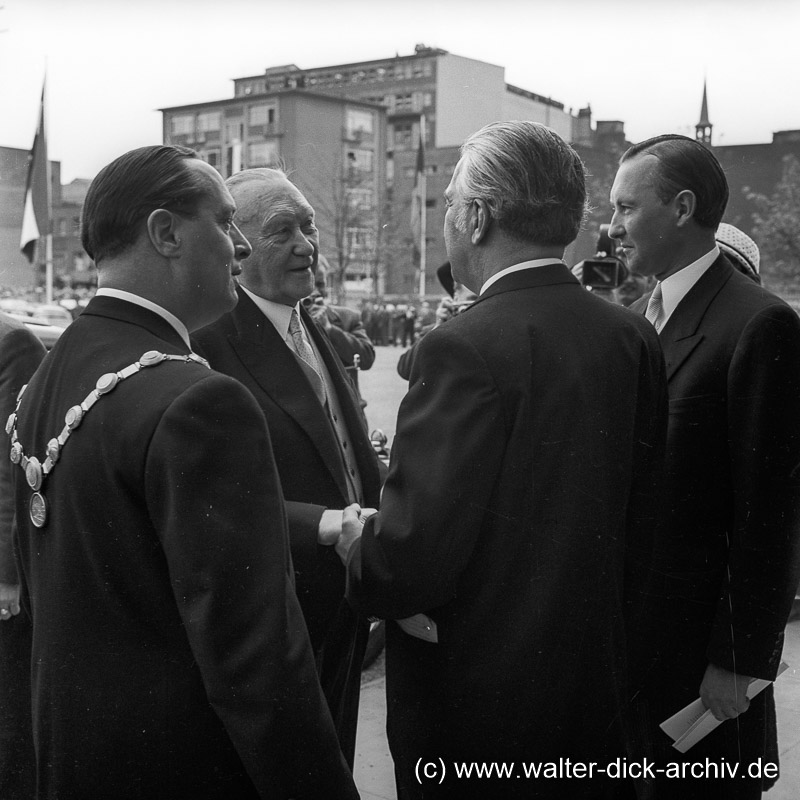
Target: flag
{"points": [[37, 213], [418, 196]]}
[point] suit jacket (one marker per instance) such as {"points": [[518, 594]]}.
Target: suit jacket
{"points": [[519, 494], [20, 354], [170, 659], [727, 556], [349, 337], [245, 345]]}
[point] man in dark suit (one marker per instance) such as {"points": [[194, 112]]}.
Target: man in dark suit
{"points": [[726, 563], [20, 355], [518, 493], [170, 658], [325, 460]]}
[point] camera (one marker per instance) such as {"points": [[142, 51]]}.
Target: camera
{"points": [[602, 273]]}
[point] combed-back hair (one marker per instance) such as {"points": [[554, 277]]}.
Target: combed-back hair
{"points": [[685, 164], [532, 181], [245, 176], [126, 191]]}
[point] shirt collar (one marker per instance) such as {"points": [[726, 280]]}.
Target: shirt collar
{"points": [[538, 262], [130, 297], [278, 314], [677, 286]]}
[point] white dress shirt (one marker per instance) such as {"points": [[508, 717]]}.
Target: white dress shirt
{"points": [[677, 286], [538, 262], [120, 294]]}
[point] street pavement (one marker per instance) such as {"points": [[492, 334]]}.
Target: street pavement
{"points": [[383, 390]]}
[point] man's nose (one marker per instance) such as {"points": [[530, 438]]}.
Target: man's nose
{"points": [[303, 245], [614, 227], [241, 246]]}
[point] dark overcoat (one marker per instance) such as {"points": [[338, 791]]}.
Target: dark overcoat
{"points": [[518, 499], [245, 345], [726, 565], [170, 658], [20, 355]]}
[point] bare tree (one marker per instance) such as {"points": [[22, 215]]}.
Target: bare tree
{"points": [[348, 212]]}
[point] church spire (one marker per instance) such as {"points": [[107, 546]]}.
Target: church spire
{"points": [[702, 131]]}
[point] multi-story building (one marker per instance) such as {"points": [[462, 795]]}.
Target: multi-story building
{"points": [[332, 149], [71, 265], [454, 95]]}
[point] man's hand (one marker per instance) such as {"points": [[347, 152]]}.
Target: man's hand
{"points": [[353, 520], [319, 314], [724, 692], [9, 600], [330, 527]]}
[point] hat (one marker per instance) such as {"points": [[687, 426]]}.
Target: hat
{"points": [[741, 248]]}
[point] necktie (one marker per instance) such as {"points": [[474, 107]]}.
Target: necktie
{"points": [[655, 308], [306, 354]]}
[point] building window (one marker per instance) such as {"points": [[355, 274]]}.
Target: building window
{"points": [[212, 158], [182, 125], [359, 124], [209, 121], [360, 239], [261, 115], [431, 203], [262, 154], [360, 199], [403, 102], [403, 136], [233, 130], [361, 160]]}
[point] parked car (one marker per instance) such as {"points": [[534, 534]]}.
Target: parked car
{"points": [[53, 315], [47, 334], [46, 322]]}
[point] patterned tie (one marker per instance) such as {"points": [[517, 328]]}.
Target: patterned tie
{"points": [[655, 308], [306, 354]]}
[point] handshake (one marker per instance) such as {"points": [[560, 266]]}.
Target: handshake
{"points": [[340, 529]]}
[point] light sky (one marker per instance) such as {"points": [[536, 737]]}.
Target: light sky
{"points": [[112, 63]]}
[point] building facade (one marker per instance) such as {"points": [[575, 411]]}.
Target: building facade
{"points": [[331, 148], [455, 96], [70, 262]]}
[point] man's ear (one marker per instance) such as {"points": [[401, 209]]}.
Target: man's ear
{"points": [[480, 220], [685, 206], [163, 228]]}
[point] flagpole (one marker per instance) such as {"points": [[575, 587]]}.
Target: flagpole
{"points": [[423, 221], [48, 249]]}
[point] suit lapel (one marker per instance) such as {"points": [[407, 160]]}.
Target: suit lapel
{"points": [[277, 372], [682, 334], [351, 408]]}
